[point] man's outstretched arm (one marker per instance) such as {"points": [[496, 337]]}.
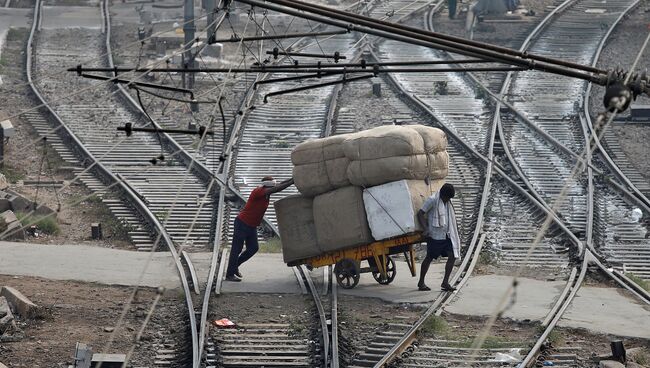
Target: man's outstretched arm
{"points": [[280, 187]]}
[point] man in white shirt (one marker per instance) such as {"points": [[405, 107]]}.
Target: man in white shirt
{"points": [[438, 219]]}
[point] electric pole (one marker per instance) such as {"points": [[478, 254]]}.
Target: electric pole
{"points": [[188, 58]]}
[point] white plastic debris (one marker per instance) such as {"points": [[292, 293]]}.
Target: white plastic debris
{"points": [[637, 214], [513, 356]]}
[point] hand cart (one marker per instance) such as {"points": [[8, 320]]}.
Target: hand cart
{"points": [[347, 262]]}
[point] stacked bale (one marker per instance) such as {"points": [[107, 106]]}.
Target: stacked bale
{"points": [[332, 173], [340, 219], [320, 165], [295, 215], [392, 153]]}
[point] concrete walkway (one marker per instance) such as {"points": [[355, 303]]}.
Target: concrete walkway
{"points": [[481, 296], [609, 311], [403, 289], [601, 310], [264, 273], [89, 264], [267, 273]]}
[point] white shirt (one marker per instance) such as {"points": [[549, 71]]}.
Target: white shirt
{"points": [[435, 232]]}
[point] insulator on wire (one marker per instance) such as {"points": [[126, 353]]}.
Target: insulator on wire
{"points": [[617, 97]]}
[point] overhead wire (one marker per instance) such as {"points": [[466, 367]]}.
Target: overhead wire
{"points": [[98, 58]]}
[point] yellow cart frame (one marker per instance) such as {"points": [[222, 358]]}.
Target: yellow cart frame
{"points": [[348, 260]]}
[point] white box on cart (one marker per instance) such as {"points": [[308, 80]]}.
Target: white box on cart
{"points": [[391, 208]]}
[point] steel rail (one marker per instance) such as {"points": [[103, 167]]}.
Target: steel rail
{"points": [[500, 101], [198, 328], [524, 119], [238, 130], [321, 313], [188, 159], [302, 274], [485, 160], [214, 264], [586, 105], [590, 255], [334, 318], [575, 286], [107, 175], [237, 133], [465, 268]]}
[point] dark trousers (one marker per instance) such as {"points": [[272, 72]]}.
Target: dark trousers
{"points": [[243, 234]]}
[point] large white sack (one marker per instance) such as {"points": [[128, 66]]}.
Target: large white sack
{"points": [[295, 215], [383, 141], [391, 208], [367, 173], [318, 150], [435, 140], [340, 219]]}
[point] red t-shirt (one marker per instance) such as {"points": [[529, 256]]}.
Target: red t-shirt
{"points": [[255, 207]]}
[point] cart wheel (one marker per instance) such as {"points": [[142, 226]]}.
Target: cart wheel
{"points": [[347, 273], [391, 271]]}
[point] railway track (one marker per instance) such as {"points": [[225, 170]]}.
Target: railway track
{"points": [[168, 190], [465, 125], [505, 203], [472, 135], [564, 122], [163, 200], [471, 129], [260, 143], [255, 343]]}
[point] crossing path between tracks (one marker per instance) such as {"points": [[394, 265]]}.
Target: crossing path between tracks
{"points": [[599, 309], [267, 273]]}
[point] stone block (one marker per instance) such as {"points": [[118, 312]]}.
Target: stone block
{"points": [[7, 323], [631, 354], [8, 217], [42, 211], [4, 307], [18, 302], [610, 364], [4, 205], [15, 231], [20, 204], [8, 129], [4, 183]]}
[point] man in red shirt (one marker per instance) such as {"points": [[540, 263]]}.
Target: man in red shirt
{"points": [[246, 223]]}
